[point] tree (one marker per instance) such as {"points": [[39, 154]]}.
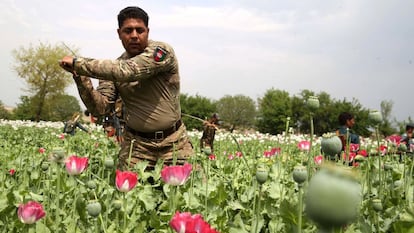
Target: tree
{"points": [[385, 127], [39, 67], [58, 107], [196, 106], [274, 108], [4, 113], [237, 111]]}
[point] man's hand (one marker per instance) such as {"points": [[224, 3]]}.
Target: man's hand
{"points": [[67, 63]]}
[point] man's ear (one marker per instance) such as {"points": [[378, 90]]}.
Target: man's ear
{"points": [[119, 32]]}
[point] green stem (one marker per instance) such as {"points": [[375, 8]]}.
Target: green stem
{"points": [[125, 212], [300, 208], [379, 163], [207, 178], [258, 209], [308, 165], [254, 205]]}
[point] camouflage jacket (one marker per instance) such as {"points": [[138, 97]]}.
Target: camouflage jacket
{"points": [[149, 85]]}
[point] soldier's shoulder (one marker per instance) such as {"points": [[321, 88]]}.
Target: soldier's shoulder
{"points": [[160, 44]]}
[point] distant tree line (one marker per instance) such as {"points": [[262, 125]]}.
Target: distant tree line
{"points": [[47, 100]]}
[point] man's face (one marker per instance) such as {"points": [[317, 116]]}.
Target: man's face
{"points": [[350, 123], [134, 36]]}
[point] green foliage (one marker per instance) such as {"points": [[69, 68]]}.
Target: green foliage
{"points": [[223, 190], [196, 106], [274, 108], [39, 67], [237, 111], [4, 113], [386, 127], [58, 107]]}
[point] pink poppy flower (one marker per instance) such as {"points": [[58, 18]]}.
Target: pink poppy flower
{"points": [[187, 223], [176, 175], [239, 154], [304, 145], [353, 147], [12, 171], [125, 180], [318, 159], [76, 165], [383, 149], [363, 153], [42, 150], [394, 139], [350, 157], [61, 136], [212, 157], [230, 157], [30, 212], [275, 150]]}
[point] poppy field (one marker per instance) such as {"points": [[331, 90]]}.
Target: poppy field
{"points": [[251, 183]]}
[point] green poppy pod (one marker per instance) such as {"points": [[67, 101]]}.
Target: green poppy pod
{"points": [[109, 163], [377, 205], [261, 174], [300, 174], [331, 144], [94, 208], [312, 103], [375, 116], [333, 198]]}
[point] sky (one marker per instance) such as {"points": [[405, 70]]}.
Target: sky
{"points": [[350, 49]]}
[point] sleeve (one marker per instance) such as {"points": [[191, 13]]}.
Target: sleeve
{"points": [[156, 58], [100, 101]]}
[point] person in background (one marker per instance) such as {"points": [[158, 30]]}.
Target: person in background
{"points": [[346, 122], [209, 131], [407, 137], [71, 125], [146, 77]]}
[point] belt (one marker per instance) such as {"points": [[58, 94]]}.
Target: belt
{"points": [[158, 135]]}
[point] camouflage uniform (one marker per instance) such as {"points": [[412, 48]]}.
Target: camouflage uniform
{"points": [[209, 132], [149, 85]]}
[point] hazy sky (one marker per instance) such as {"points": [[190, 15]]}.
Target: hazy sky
{"points": [[347, 48]]}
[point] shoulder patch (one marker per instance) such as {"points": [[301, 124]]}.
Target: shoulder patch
{"points": [[159, 54]]}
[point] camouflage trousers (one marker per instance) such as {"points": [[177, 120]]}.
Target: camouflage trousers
{"points": [[151, 150]]}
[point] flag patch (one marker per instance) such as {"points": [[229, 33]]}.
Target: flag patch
{"points": [[159, 54]]}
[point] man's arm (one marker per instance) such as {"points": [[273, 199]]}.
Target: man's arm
{"points": [[156, 58], [98, 102]]}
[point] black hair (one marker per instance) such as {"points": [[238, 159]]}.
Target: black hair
{"points": [[132, 12], [343, 117], [409, 126]]}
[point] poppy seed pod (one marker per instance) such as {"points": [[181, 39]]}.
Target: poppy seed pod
{"points": [[377, 205], [109, 163], [333, 198], [375, 116], [331, 144], [117, 204], [300, 174], [312, 103], [94, 208], [261, 174]]}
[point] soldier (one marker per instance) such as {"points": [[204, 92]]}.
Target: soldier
{"points": [[113, 123], [71, 125], [207, 139], [147, 79]]}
